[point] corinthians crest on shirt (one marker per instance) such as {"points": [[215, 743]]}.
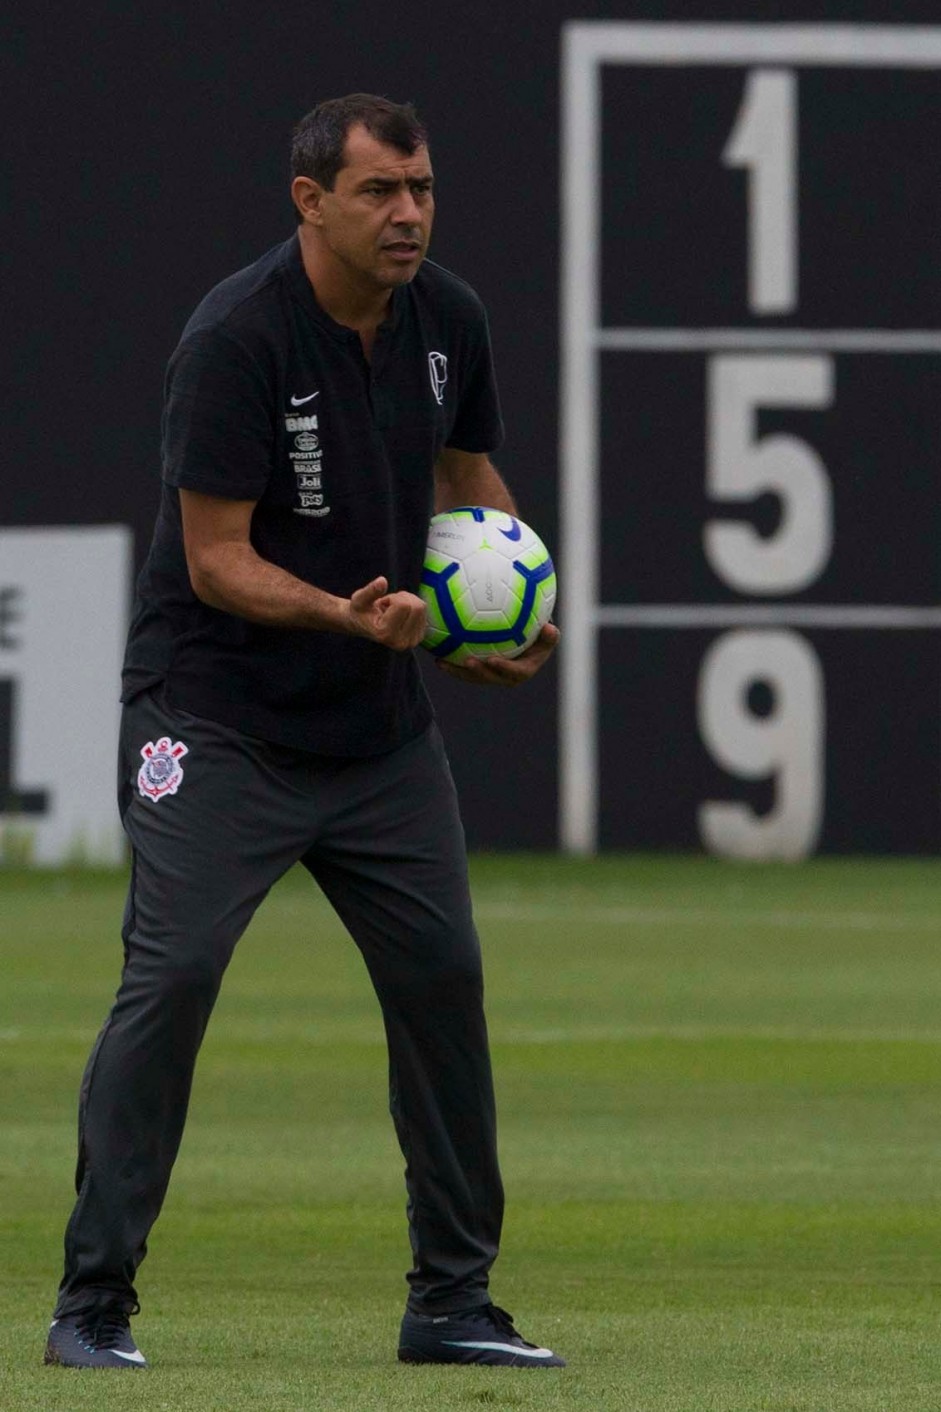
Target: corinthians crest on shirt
{"points": [[161, 772]]}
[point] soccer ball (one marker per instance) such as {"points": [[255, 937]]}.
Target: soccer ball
{"points": [[488, 584]]}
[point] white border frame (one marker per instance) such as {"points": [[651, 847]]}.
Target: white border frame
{"points": [[586, 45]]}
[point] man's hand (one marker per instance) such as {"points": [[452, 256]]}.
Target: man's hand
{"points": [[397, 620], [506, 671]]}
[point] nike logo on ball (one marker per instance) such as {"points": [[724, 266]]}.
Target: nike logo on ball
{"points": [[299, 401], [514, 533]]}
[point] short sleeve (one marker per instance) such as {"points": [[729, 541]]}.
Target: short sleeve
{"points": [[218, 423], [478, 424]]}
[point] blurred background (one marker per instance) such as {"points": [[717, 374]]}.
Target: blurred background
{"points": [[710, 259]]}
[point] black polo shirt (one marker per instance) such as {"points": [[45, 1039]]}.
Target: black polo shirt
{"points": [[268, 399]]}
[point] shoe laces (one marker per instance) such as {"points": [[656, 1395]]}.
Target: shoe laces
{"points": [[103, 1328], [503, 1321]]}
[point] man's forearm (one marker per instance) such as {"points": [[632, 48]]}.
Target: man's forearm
{"points": [[480, 485], [235, 579]]}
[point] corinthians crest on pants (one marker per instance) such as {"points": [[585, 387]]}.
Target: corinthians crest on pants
{"points": [[161, 772]]}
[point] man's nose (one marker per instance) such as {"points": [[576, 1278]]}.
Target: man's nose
{"points": [[407, 210]]}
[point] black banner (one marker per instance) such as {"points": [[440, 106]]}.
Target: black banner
{"points": [[743, 377]]}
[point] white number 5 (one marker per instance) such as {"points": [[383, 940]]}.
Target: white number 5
{"points": [[740, 466]]}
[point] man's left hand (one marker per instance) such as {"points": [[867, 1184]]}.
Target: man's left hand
{"points": [[506, 671]]}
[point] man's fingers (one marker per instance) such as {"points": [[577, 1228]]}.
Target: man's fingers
{"points": [[362, 598], [397, 620], [506, 671], [543, 647], [404, 620]]}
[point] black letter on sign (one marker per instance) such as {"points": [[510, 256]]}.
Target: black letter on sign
{"points": [[14, 800], [9, 603]]}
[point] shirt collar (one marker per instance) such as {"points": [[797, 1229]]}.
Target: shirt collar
{"points": [[303, 291]]}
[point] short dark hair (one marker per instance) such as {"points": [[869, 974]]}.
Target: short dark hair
{"points": [[320, 136]]}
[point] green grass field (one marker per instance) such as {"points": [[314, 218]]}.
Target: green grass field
{"points": [[720, 1097]]}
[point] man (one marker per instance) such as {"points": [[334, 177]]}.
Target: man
{"points": [[320, 405]]}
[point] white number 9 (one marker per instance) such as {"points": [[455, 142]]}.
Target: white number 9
{"points": [[787, 743]]}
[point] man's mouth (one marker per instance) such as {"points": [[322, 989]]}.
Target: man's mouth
{"points": [[403, 249]]}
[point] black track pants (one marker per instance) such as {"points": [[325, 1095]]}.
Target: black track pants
{"points": [[383, 839]]}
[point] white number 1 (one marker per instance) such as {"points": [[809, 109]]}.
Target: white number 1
{"points": [[764, 140]]}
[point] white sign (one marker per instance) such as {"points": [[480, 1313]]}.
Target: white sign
{"points": [[64, 595]]}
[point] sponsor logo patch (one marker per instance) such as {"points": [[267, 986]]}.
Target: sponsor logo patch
{"points": [[306, 460], [161, 772]]}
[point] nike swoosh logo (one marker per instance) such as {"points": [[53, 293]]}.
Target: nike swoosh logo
{"points": [[498, 1347], [299, 401], [515, 532], [135, 1357]]}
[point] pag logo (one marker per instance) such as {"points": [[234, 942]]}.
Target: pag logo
{"points": [[161, 772]]}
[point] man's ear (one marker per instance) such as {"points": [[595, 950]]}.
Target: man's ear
{"points": [[307, 196]]}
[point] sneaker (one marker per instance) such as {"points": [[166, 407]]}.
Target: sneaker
{"points": [[482, 1335], [93, 1338]]}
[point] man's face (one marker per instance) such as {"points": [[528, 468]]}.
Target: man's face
{"points": [[376, 222]]}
